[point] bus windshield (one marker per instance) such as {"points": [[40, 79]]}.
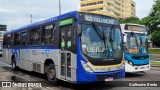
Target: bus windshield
{"points": [[101, 41], [137, 43]]}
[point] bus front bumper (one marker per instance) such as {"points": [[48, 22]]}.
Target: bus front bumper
{"points": [[86, 77], [130, 68]]}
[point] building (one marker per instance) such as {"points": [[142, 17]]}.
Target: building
{"points": [[114, 8]]}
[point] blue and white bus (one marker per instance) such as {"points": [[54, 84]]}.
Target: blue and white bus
{"points": [[136, 54], [76, 47]]}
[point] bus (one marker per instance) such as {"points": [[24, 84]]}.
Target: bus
{"points": [[76, 47], [136, 55], [1, 41]]}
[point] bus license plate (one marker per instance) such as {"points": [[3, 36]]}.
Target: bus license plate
{"points": [[142, 67], [109, 79]]}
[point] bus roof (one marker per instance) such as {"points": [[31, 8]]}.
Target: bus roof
{"points": [[133, 24], [47, 21], [53, 19]]}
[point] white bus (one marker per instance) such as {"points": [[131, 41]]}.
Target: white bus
{"points": [[136, 54]]}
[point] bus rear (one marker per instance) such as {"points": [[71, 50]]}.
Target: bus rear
{"points": [[136, 48]]}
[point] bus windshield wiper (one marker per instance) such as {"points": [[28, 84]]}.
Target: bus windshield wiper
{"points": [[100, 34], [132, 33], [141, 41], [98, 31]]}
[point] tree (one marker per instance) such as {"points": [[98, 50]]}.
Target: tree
{"points": [[153, 22], [135, 20], [156, 38], [155, 16]]}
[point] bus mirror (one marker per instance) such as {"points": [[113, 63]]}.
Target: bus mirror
{"points": [[79, 30]]}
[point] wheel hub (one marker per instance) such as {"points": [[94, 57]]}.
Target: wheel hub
{"points": [[52, 73]]}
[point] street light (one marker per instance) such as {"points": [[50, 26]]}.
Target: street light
{"points": [[59, 7]]}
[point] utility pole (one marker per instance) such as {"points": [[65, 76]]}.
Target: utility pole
{"points": [[59, 7]]}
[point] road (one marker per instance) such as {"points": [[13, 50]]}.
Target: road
{"points": [[6, 74]]}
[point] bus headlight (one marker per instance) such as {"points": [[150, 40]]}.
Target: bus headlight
{"points": [[130, 63], [86, 67]]}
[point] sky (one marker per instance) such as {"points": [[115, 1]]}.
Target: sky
{"points": [[16, 13]]}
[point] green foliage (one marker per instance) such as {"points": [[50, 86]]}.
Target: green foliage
{"points": [[155, 12], [134, 20], [156, 37], [152, 22]]}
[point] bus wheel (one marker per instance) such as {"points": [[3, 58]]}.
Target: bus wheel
{"points": [[51, 74], [14, 67]]}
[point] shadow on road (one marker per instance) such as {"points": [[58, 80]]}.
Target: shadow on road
{"points": [[61, 84], [135, 74]]}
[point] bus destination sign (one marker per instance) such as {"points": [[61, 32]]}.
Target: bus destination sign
{"points": [[135, 28], [100, 19]]}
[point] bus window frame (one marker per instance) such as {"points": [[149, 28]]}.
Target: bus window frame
{"points": [[73, 28], [40, 33], [26, 41], [14, 41], [43, 34]]}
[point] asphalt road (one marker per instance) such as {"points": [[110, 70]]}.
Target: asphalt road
{"points": [[6, 74]]}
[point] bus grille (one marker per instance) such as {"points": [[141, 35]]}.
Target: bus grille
{"points": [[103, 77], [104, 63], [141, 57]]}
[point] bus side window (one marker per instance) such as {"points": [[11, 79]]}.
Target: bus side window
{"points": [[35, 35], [4, 41], [7, 41], [24, 40], [16, 39], [12, 39], [49, 37]]}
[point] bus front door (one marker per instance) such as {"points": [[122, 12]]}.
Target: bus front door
{"points": [[65, 58]]}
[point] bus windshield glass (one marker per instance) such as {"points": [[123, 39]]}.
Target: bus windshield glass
{"points": [[136, 43], [101, 41]]}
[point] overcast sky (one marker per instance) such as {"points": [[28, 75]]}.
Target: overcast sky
{"points": [[16, 13]]}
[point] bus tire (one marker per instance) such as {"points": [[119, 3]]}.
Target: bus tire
{"points": [[51, 74], [14, 67]]}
